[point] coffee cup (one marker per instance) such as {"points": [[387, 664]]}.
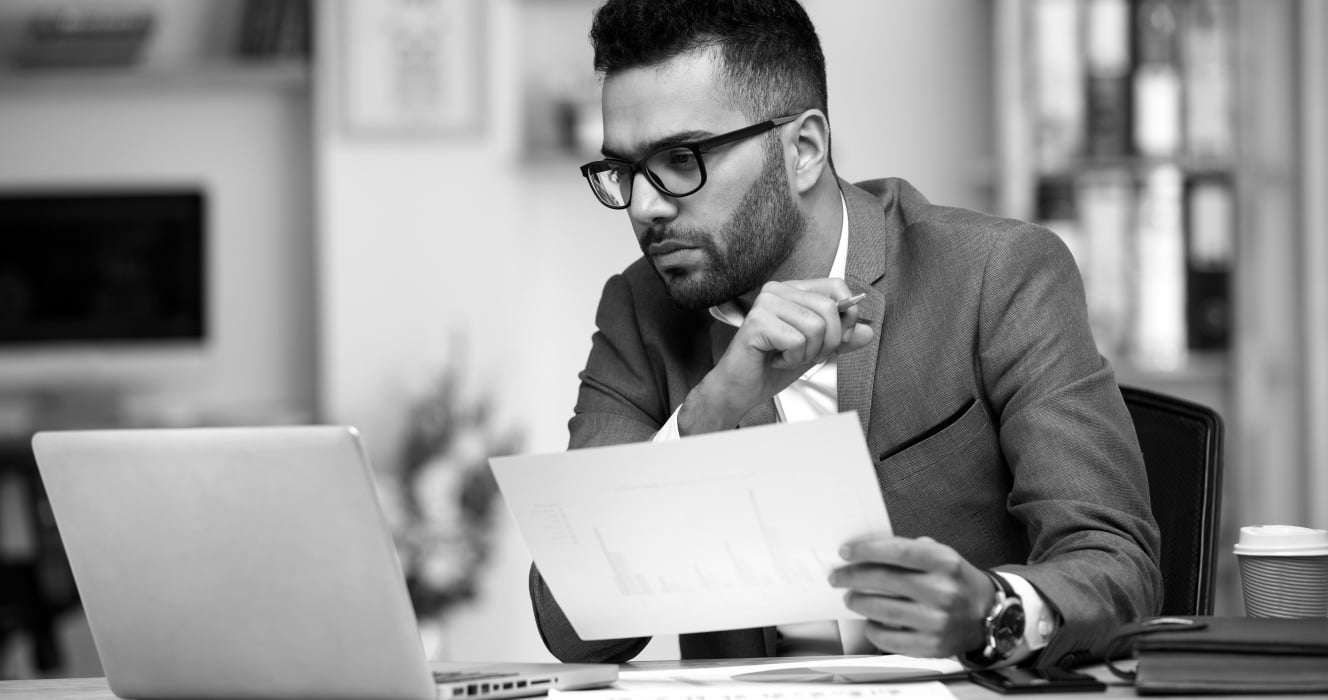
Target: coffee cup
{"points": [[1283, 571]]}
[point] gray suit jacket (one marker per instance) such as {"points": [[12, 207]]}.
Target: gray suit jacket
{"points": [[996, 426]]}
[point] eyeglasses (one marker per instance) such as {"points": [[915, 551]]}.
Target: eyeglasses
{"points": [[676, 170]]}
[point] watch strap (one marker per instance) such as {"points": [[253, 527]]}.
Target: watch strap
{"points": [[1003, 587], [990, 653]]}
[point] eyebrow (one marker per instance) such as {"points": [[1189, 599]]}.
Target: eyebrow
{"points": [[677, 139]]}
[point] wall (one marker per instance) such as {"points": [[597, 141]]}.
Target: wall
{"points": [[469, 249]]}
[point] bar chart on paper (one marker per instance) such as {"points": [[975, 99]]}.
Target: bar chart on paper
{"points": [[734, 529], [732, 566]]}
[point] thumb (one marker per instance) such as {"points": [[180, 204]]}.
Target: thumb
{"points": [[856, 338]]}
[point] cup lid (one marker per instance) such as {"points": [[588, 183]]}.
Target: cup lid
{"points": [[1281, 540]]}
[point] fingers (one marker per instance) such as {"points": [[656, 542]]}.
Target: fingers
{"points": [[857, 334], [904, 626], [918, 554], [895, 567], [856, 330], [833, 287], [836, 290], [801, 323], [908, 627], [922, 597], [921, 643], [801, 327]]}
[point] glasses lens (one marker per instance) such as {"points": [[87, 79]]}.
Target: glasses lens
{"points": [[612, 182], [677, 171]]}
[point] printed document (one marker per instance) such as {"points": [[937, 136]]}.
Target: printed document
{"points": [[726, 530]]}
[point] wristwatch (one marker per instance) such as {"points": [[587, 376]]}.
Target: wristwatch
{"points": [[1004, 621]]}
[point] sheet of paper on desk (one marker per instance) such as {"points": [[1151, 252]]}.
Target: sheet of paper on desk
{"points": [[931, 690], [721, 531], [716, 683]]}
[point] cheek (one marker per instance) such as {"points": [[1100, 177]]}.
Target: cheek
{"points": [[714, 206], [727, 186]]}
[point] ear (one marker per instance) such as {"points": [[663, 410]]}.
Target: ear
{"points": [[811, 142]]}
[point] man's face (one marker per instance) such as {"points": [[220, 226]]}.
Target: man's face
{"points": [[737, 231]]}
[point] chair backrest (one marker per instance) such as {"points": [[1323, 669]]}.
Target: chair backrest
{"points": [[1182, 448]]}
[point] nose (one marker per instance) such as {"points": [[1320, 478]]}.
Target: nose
{"points": [[648, 203]]}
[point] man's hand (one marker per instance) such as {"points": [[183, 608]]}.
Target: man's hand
{"points": [[920, 597], [790, 327]]}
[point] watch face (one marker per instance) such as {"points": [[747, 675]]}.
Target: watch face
{"points": [[1008, 628]]}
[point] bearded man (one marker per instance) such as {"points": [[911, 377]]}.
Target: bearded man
{"points": [[1004, 452]]}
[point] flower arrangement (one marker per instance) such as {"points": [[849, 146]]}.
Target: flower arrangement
{"points": [[447, 496]]}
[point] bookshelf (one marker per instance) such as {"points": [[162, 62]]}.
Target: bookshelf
{"points": [[287, 75], [1196, 146], [1117, 129], [156, 47]]}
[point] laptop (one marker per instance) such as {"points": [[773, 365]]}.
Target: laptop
{"points": [[251, 563]]}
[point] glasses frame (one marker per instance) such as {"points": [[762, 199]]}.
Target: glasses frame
{"points": [[696, 147]]}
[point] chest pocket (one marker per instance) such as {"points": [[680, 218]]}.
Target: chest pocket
{"points": [[940, 443]]}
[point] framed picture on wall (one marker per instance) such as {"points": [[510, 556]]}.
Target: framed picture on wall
{"points": [[412, 67]]}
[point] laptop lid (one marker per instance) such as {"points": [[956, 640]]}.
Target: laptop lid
{"points": [[246, 563]]}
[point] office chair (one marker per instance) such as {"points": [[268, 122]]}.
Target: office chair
{"points": [[1182, 448]]}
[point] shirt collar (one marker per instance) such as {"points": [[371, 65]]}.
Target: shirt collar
{"points": [[729, 312]]}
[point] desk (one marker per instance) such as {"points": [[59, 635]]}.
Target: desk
{"points": [[96, 689]]}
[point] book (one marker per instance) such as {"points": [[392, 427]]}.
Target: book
{"points": [[274, 29], [1158, 335], [1058, 70], [84, 36], [1106, 210], [1058, 210], [1157, 81], [1208, 56], [1235, 655], [1210, 202], [1107, 83]]}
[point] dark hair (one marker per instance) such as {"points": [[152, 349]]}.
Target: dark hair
{"points": [[772, 59]]}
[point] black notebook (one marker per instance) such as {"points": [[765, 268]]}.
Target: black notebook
{"points": [[1231, 655]]}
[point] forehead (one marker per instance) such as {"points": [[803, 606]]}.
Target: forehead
{"points": [[645, 105]]}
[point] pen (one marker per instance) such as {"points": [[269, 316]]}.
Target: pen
{"points": [[849, 302]]}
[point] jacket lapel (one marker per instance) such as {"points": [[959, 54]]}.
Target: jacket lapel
{"points": [[868, 250]]}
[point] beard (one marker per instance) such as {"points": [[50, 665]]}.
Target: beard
{"points": [[759, 236]]}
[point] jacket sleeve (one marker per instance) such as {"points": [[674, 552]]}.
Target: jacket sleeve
{"points": [[646, 354], [562, 641], [1079, 485], [617, 403]]}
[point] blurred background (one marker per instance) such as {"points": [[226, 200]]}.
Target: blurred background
{"points": [[222, 212]]}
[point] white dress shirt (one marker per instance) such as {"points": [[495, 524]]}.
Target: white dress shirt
{"points": [[816, 394]]}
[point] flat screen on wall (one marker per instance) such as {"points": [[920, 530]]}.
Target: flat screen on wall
{"points": [[117, 268]]}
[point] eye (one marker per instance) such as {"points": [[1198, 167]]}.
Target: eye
{"points": [[682, 158], [676, 160]]}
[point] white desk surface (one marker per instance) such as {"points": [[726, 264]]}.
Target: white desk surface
{"points": [[96, 689]]}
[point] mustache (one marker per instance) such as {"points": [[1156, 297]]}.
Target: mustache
{"points": [[659, 234]]}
